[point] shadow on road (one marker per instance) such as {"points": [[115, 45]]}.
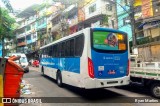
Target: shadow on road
{"points": [[91, 95], [136, 89]]}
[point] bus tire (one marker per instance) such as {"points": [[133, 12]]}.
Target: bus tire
{"points": [[59, 79], [155, 90], [42, 70]]}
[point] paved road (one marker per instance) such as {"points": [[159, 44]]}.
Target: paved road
{"points": [[43, 86]]}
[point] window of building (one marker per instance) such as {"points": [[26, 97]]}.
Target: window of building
{"points": [[109, 7], [29, 37], [92, 8], [112, 21]]}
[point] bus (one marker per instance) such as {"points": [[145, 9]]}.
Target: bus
{"points": [[91, 58]]}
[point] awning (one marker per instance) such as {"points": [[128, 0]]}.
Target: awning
{"points": [[152, 24], [141, 26]]}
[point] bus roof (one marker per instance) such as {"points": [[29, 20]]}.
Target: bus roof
{"points": [[79, 32]]}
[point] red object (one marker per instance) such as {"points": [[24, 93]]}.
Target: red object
{"points": [[12, 79], [35, 63], [90, 68]]}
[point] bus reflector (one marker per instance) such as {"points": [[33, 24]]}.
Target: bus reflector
{"points": [[128, 67], [90, 68]]}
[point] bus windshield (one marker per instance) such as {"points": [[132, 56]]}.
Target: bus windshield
{"points": [[103, 40]]}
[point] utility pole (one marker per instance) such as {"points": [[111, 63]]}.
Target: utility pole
{"points": [[132, 23], [132, 20]]}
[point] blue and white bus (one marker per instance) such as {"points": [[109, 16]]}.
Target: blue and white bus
{"points": [[90, 58]]}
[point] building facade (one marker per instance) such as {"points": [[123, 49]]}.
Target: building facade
{"points": [[124, 19], [32, 32], [56, 21], [148, 28]]}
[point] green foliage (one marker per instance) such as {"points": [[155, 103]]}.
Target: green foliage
{"points": [[105, 20], [143, 40], [6, 24]]}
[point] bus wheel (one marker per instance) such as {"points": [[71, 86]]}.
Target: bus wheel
{"points": [[155, 90], [59, 79]]}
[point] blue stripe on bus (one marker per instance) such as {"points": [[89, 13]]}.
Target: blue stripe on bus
{"points": [[110, 62], [67, 64]]}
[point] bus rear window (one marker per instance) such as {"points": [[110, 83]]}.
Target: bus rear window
{"points": [[109, 41]]}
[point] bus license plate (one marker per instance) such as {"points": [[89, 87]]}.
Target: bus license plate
{"points": [[111, 72]]}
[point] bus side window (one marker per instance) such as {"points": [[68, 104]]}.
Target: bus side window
{"points": [[63, 49], [67, 48], [40, 53], [59, 50], [44, 55], [47, 52], [79, 45], [50, 51], [54, 51], [72, 47]]}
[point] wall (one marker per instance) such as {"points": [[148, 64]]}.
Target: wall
{"points": [[150, 53], [145, 52], [100, 9], [156, 52], [155, 32]]}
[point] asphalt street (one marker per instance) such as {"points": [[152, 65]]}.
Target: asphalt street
{"points": [[43, 86]]}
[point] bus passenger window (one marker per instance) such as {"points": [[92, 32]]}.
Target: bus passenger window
{"points": [[50, 51], [72, 44], [47, 52], [79, 43], [59, 50], [56, 50], [63, 50], [67, 51]]}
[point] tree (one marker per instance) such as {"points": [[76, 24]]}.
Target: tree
{"points": [[6, 26]]}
